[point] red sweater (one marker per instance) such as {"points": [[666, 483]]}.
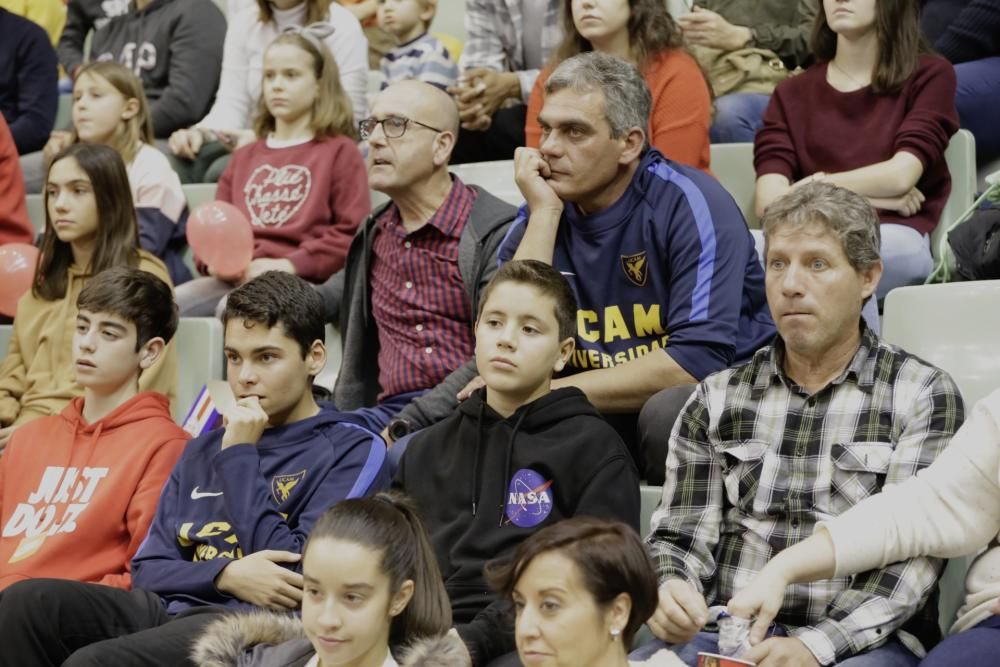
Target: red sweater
{"points": [[809, 126], [15, 226], [76, 499], [304, 202], [679, 118]]}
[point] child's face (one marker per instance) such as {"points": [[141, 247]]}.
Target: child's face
{"points": [[104, 354], [267, 363], [69, 196], [406, 19], [290, 85], [347, 605], [98, 108], [517, 341]]}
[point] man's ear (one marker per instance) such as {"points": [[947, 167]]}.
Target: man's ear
{"points": [[444, 142], [150, 352], [130, 109], [316, 357], [566, 348], [871, 277], [633, 143]]}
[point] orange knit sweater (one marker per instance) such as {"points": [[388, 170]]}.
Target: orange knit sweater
{"points": [[681, 114]]}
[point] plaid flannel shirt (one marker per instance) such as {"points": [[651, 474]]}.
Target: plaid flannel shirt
{"points": [[495, 29], [755, 462]]}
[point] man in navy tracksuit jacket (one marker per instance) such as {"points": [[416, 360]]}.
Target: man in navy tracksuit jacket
{"points": [[664, 268], [235, 513]]}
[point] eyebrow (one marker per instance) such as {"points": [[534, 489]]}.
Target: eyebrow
{"points": [[256, 350], [359, 587], [104, 323], [73, 181]]}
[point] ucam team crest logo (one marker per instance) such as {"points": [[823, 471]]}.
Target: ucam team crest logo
{"points": [[634, 267], [529, 499], [282, 485]]}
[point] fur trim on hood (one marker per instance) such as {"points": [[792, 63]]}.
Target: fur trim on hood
{"points": [[225, 642]]}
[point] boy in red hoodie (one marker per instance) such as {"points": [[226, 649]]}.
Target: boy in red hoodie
{"points": [[78, 490]]}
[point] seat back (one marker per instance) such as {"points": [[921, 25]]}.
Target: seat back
{"points": [[36, 211], [6, 331], [732, 165], [199, 359], [961, 158], [495, 177], [649, 498], [953, 326]]}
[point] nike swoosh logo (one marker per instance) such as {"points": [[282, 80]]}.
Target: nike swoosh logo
{"points": [[567, 273], [195, 494]]}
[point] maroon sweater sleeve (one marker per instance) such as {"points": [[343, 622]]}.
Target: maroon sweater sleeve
{"points": [[349, 203], [773, 149], [931, 118]]}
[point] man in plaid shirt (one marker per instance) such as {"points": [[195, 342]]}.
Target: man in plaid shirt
{"points": [[814, 423]]}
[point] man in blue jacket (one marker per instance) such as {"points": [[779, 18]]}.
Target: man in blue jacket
{"points": [[661, 260], [232, 518]]}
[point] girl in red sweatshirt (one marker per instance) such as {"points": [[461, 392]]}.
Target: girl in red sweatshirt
{"points": [[302, 184]]}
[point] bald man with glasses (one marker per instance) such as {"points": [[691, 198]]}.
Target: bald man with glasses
{"points": [[407, 298]]}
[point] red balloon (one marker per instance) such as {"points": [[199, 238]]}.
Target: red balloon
{"points": [[221, 237], [17, 270]]}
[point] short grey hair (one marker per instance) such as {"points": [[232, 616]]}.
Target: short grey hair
{"points": [[627, 101], [845, 214]]}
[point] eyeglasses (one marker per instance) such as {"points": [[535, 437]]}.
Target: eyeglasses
{"points": [[393, 126]]}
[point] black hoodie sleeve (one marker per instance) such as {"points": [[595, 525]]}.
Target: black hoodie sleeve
{"points": [[70, 46], [490, 634], [195, 66], [613, 491]]}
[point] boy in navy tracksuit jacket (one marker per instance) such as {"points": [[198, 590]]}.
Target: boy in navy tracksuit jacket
{"points": [[232, 519]]}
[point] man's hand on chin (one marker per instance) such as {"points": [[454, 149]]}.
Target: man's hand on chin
{"points": [[531, 173]]}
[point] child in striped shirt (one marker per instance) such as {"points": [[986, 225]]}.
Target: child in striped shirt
{"points": [[419, 55]]}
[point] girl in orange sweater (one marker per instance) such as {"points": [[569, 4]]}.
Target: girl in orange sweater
{"points": [[642, 32]]}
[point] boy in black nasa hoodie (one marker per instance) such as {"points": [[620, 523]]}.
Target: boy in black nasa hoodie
{"points": [[516, 456]]}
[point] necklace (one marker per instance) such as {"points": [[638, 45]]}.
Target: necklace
{"points": [[852, 79]]}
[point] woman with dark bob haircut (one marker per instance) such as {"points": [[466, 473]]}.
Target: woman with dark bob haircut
{"points": [[581, 589]]}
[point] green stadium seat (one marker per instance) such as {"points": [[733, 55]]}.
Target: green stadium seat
{"points": [[961, 159], [36, 211], [495, 177], [199, 359], [732, 165], [649, 497], [6, 331], [952, 326]]}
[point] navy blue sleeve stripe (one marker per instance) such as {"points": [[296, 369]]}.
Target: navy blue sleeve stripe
{"points": [[373, 465], [519, 221], [701, 295]]}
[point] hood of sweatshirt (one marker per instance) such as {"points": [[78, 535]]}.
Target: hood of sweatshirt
{"points": [[483, 482], [543, 414]]}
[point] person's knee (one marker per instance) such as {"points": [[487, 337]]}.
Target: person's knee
{"points": [[89, 656], [737, 117]]}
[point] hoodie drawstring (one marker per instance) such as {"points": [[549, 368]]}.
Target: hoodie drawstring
{"points": [[476, 460], [510, 454]]}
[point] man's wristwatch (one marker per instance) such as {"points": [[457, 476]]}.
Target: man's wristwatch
{"points": [[399, 427]]}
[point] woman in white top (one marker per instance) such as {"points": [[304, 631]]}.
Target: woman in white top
{"points": [[949, 509], [201, 152]]}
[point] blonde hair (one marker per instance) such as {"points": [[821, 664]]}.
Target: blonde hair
{"points": [[332, 113], [130, 133]]}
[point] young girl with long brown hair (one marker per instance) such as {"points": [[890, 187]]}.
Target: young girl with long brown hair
{"points": [[90, 226], [302, 184]]}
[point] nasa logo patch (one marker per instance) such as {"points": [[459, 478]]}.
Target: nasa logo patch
{"points": [[529, 499]]}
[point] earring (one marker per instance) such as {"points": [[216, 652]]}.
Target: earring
{"points": [[615, 633]]}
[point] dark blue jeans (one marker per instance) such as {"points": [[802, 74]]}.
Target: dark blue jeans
{"points": [[975, 646], [977, 99]]}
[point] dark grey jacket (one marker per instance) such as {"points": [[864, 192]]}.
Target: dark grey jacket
{"points": [[783, 26], [349, 300]]}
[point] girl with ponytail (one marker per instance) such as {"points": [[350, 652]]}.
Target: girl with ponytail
{"points": [[372, 593]]}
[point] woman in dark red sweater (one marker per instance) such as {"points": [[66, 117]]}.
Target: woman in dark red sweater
{"points": [[874, 115]]}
